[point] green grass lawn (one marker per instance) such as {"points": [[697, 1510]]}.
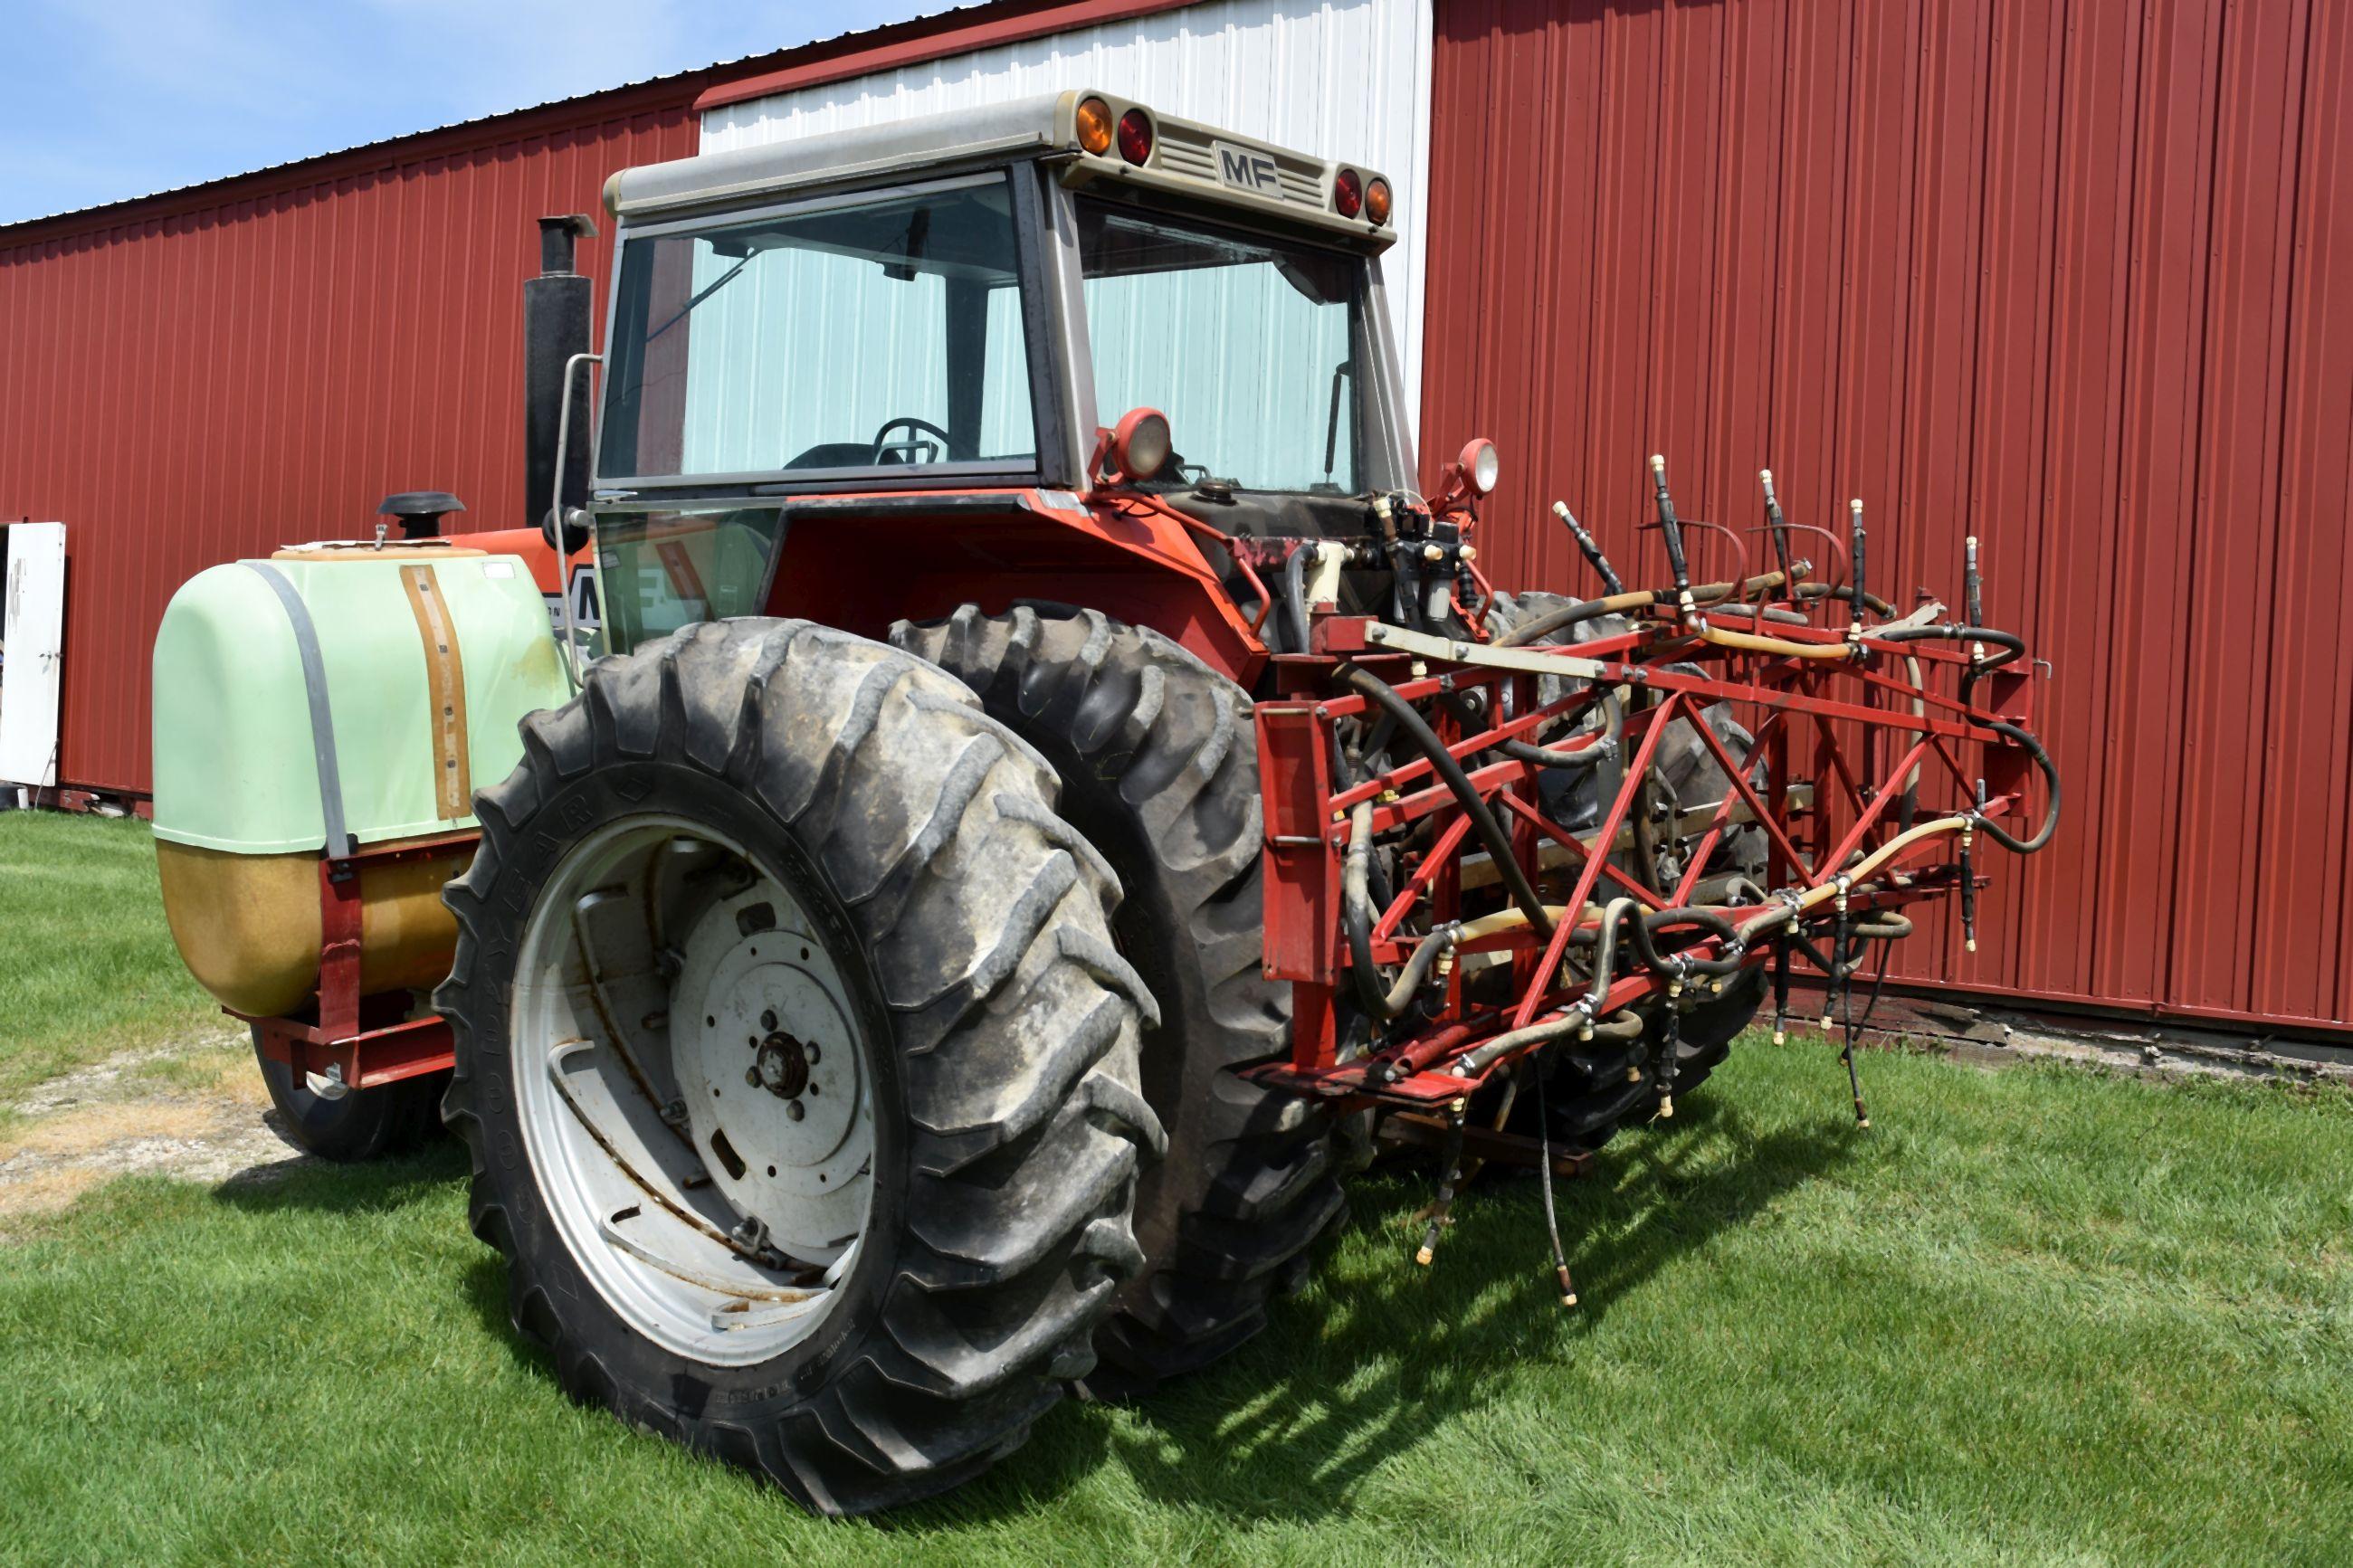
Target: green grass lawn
{"points": [[2032, 1315], [86, 966]]}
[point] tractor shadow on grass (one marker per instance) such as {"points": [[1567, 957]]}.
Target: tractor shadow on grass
{"points": [[317, 1187], [1376, 1351]]}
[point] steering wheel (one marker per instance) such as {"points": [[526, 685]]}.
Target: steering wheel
{"points": [[910, 422]]}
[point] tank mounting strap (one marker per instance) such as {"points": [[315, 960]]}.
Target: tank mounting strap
{"points": [[445, 675], [339, 841]]}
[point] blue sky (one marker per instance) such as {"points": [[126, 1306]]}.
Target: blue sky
{"points": [[109, 98]]}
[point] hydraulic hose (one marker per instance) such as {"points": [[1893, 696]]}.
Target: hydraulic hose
{"points": [[2013, 646], [1617, 1026], [1357, 914], [1579, 1013], [2033, 748], [1675, 963], [1781, 647], [1551, 621], [1671, 531], [1877, 605], [1294, 595], [1533, 753], [1586, 542], [1863, 597], [1545, 757], [1567, 616], [1450, 772]]}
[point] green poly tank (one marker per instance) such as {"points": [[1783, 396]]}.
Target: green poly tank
{"points": [[330, 699]]}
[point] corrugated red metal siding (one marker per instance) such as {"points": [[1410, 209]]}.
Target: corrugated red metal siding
{"points": [[2070, 274], [189, 380]]}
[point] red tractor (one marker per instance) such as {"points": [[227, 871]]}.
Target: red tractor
{"points": [[1057, 795]]}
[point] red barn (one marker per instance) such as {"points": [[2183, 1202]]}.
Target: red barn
{"points": [[2071, 277]]}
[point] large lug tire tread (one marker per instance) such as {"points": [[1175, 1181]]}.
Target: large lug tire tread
{"points": [[1005, 1170], [1159, 760], [364, 1124], [1593, 1099]]}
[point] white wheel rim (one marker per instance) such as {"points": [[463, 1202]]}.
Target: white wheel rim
{"points": [[695, 1092]]}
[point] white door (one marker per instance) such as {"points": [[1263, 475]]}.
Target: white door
{"points": [[35, 636]]}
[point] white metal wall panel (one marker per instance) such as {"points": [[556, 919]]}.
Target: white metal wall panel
{"points": [[1343, 79]]}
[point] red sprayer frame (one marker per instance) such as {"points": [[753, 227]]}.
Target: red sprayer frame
{"points": [[1841, 706]]}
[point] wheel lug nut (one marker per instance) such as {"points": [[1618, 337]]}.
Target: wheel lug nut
{"points": [[794, 1110], [811, 1052], [752, 1077]]}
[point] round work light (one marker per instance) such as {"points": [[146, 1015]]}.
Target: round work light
{"points": [[1481, 465], [1139, 444]]}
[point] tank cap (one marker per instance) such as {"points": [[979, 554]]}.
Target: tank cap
{"points": [[420, 512]]}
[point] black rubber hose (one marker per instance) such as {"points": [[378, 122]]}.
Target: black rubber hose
{"points": [[1773, 613], [1551, 621], [1490, 833], [1294, 596], [1820, 960], [1822, 591], [1357, 915], [1862, 595], [1669, 529], [1579, 1011], [1605, 954], [1566, 615], [1618, 1026], [1534, 754], [1673, 964], [1773, 524], [1590, 546], [1545, 757], [2033, 749], [2013, 646]]}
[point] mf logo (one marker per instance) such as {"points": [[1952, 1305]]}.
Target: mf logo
{"points": [[1248, 169]]}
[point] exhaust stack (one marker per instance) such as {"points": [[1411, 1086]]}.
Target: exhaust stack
{"points": [[556, 309]]}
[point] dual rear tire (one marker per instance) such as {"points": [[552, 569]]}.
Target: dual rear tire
{"points": [[814, 1071]]}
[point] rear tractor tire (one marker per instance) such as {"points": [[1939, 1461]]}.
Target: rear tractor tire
{"points": [[1159, 759], [360, 1124], [796, 1064]]}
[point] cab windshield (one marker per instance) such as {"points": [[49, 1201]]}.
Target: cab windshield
{"points": [[874, 332], [1248, 344]]}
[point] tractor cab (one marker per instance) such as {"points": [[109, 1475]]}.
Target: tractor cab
{"points": [[863, 374]]}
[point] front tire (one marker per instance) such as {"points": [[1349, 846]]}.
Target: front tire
{"points": [[756, 865]]}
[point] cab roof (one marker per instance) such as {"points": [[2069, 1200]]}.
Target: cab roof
{"points": [[1186, 158]]}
